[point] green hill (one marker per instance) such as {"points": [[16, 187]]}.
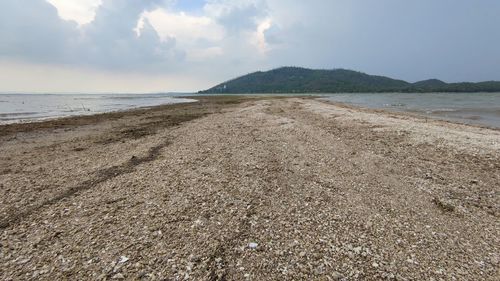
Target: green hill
{"points": [[431, 83], [303, 80]]}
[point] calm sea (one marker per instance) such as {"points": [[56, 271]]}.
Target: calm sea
{"points": [[33, 107], [470, 108]]}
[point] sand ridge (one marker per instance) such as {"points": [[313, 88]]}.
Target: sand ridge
{"points": [[251, 189]]}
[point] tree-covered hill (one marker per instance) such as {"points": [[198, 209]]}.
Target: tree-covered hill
{"points": [[302, 80]]}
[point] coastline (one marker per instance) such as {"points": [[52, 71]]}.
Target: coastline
{"points": [[53, 106], [185, 188], [476, 109], [411, 114], [443, 115]]}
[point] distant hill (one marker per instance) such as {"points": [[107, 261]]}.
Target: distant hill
{"points": [[303, 80], [431, 83]]}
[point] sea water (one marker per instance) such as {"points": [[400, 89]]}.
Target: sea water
{"points": [[471, 108], [33, 107]]}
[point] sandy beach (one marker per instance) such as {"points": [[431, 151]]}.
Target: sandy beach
{"points": [[249, 188]]}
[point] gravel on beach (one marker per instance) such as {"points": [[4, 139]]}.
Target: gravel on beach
{"points": [[249, 188]]}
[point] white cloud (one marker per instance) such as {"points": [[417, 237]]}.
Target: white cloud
{"points": [[260, 36], [183, 27], [197, 36], [81, 11]]}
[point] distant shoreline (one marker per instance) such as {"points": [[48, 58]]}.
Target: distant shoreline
{"points": [[196, 97]]}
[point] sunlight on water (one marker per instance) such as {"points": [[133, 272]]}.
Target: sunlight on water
{"points": [[32, 107]]}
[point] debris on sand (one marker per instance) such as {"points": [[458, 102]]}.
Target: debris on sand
{"points": [[249, 188]]}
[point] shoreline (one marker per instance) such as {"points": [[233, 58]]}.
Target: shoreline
{"points": [[235, 187], [78, 120], [87, 112], [98, 115], [411, 114]]}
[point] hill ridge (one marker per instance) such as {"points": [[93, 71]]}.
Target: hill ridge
{"points": [[293, 79]]}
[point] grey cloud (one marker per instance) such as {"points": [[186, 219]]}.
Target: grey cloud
{"points": [[237, 16], [273, 35], [31, 30], [413, 40], [110, 40]]}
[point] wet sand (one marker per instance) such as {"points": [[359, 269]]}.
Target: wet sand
{"points": [[249, 188]]}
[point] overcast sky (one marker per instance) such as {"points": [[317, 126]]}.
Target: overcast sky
{"points": [[186, 45]]}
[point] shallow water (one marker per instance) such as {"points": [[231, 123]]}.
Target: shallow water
{"points": [[471, 108], [32, 107]]}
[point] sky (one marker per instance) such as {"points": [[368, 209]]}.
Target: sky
{"points": [[131, 46]]}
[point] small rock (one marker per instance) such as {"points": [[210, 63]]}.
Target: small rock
{"points": [[123, 259], [444, 204], [357, 250], [319, 270], [23, 261], [337, 276], [253, 245], [119, 276]]}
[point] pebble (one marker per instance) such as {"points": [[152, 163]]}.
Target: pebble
{"points": [[357, 250], [24, 261], [123, 259], [253, 245], [337, 276], [118, 276]]}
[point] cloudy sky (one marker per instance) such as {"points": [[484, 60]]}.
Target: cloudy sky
{"points": [[186, 45]]}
